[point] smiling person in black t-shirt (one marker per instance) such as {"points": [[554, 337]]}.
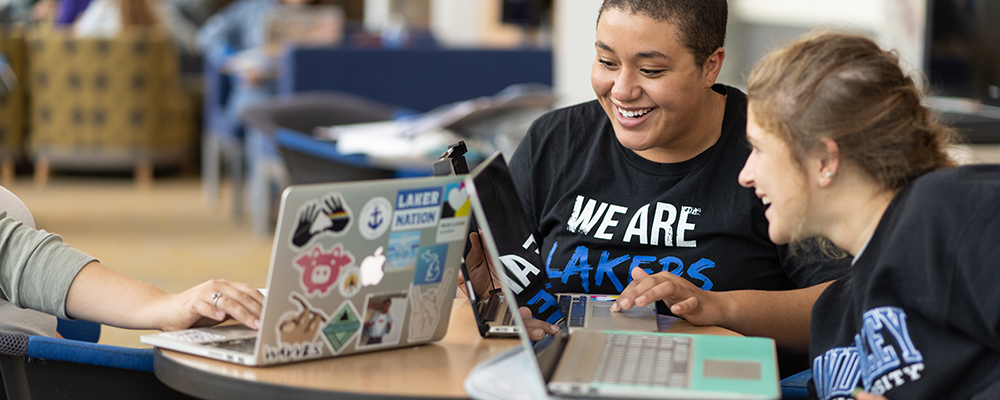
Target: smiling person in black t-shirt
{"points": [[640, 185], [844, 149]]}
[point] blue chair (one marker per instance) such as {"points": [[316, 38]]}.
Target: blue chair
{"points": [[299, 112], [222, 138], [796, 386], [76, 366]]}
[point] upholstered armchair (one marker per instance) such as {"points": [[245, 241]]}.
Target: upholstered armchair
{"points": [[13, 107], [107, 103]]}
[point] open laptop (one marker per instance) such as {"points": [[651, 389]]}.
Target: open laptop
{"points": [[630, 364], [355, 267], [491, 312], [491, 188]]}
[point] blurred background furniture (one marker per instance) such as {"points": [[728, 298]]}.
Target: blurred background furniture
{"points": [[221, 138], [300, 112], [100, 104], [13, 107], [418, 79], [76, 366], [361, 83]]}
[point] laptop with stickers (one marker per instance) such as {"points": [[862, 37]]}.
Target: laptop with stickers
{"points": [[626, 363], [355, 267], [491, 188]]}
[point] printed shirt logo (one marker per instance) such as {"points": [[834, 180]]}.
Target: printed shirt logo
{"points": [[417, 209], [883, 357], [643, 227]]}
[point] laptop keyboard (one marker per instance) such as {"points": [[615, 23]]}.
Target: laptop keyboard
{"points": [[194, 336], [507, 317], [653, 360], [245, 345], [242, 345], [491, 307], [578, 304]]}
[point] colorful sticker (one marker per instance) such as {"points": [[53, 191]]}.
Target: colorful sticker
{"points": [[371, 268], [350, 281], [454, 214], [297, 333], [344, 324], [402, 253], [321, 268], [457, 201], [427, 309], [417, 209], [383, 321], [328, 215], [375, 218], [283, 352], [430, 264]]}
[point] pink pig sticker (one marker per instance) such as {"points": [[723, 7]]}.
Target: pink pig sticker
{"points": [[321, 268]]}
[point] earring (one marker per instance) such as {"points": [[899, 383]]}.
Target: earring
{"points": [[827, 176]]}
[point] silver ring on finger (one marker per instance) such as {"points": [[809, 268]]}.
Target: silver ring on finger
{"points": [[215, 299]]}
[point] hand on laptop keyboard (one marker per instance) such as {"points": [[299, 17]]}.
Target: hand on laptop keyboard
{"points": [[207, 304], [537, 328], [684, 299]]}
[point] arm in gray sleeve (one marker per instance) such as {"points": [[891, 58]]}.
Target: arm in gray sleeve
{"points": [[36, 267]]}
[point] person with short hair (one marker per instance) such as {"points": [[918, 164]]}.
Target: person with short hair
{"points": [[635, 193], [844, 149]]}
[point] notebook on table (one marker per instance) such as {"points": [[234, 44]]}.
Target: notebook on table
{"points": [[492, 191], [355, 267], [633, 364]]}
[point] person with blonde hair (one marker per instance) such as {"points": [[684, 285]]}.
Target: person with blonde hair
{"points": [[844, 149]]}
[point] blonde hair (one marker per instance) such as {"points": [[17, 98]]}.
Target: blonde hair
{"points": [[844, 87]]}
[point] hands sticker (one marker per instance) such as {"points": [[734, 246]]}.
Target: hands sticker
{"points": [[316, 217], [426, 309], [301, 327]]}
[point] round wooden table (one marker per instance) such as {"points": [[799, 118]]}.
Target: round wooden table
{"points": [[435, 370]]}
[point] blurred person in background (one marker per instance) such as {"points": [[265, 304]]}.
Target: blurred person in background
{"points": [[234, 39]]}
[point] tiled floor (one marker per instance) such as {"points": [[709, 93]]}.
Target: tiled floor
{"points": [[166, 235]]}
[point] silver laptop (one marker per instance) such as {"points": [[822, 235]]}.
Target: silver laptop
{"points": [[492, 315], [492, 190], [630, 364], [355, 267]]}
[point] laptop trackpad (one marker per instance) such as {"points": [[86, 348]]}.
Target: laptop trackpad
{"points": [[732, 369], [604, 311]]}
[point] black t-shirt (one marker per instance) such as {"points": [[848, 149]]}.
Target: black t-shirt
{"points": [[919, 314], [601, 210]]}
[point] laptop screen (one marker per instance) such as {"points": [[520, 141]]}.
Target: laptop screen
{"points": [[515, 238], [507, 234]]}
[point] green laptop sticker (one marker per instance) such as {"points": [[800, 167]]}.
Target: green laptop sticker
{"points": [[342, 327]]}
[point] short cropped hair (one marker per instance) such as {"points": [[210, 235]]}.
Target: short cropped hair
{"points": [[701, 24]]}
